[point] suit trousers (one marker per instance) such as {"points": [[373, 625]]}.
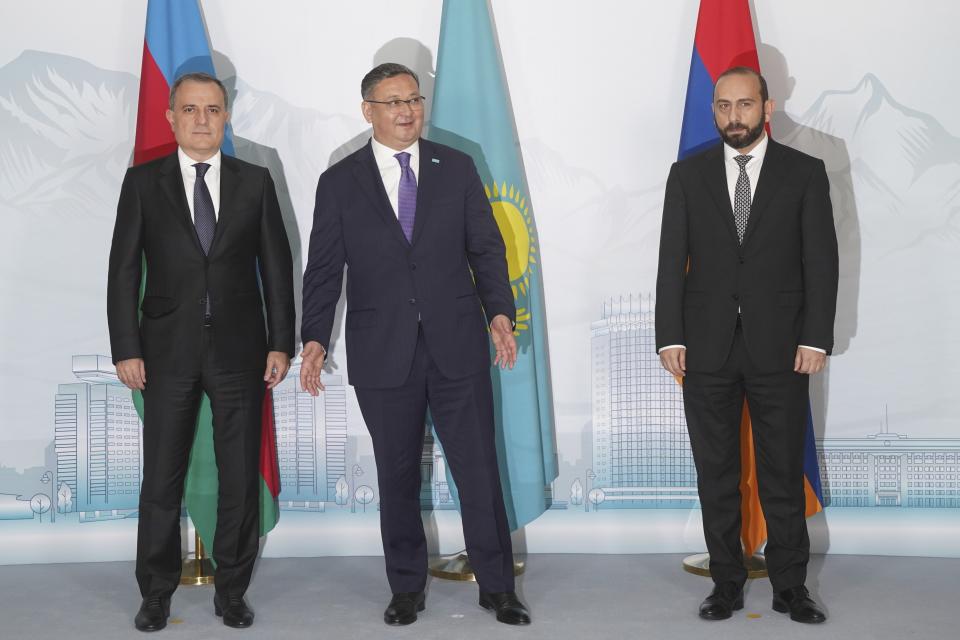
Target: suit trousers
{"points": [[778, 403], [171, 404], [462, 412]]}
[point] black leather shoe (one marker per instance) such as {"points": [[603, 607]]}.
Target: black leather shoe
{"points": [[403, 607], [234, 610], [153, 614], [507, 606], [797, 602], [725, 598]]}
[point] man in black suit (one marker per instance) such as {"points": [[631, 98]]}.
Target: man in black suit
{"points": [[207, 226], [426, 264], [746, 296]]}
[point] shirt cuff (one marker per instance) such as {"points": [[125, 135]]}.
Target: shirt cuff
{"points": [[671, 346], [817, 349]]}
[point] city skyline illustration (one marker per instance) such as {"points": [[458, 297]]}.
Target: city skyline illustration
{"points": [[640, 454]]}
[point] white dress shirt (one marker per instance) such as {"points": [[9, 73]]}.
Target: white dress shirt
{"points": [[389, 168], [211, 177], [733, 173]]}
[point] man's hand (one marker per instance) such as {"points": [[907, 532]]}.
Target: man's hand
{"points": [[501, 332], [278, 363], [674, 360], [312, 365], [809, 361], [132, 373]]}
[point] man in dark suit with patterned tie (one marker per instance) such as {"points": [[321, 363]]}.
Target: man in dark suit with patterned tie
{"points": [[208, 229], [427, 277], [746, 297]]}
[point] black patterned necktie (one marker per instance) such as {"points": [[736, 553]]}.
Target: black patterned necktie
{"points": [[204, 217], [742, 197]]}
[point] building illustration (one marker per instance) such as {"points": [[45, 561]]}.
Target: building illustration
{"points": [[641, 450], [311, 441], [434, 487], [890, 470], [97, 437]]}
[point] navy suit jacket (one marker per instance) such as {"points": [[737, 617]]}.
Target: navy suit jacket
{"points": [[452, 273], [782, 279]]}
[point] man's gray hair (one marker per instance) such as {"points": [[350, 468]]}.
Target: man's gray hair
{"points": [[198, 76], [380, 73]]}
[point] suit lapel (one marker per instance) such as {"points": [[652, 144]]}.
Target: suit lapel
{"points": [[367, 174], [715, 176], [429, 178], [770, 180], [229, 186], [171, 183]]}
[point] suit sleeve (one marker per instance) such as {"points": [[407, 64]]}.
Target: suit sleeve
{"points": [[124, 274], [820, 262], [672, 266], [276, 272], [323, 278], [486, 252]]}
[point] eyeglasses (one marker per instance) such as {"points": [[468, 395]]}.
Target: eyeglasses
{"points": [[396, 105]]}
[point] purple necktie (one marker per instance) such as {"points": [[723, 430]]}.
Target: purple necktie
{"points": [[407, 195]]}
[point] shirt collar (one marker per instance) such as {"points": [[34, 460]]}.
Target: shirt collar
{"points": [[186, 162], [759, 151], [384, 155]]}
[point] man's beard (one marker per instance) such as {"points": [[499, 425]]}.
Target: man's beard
{"points": [[744, 139]]}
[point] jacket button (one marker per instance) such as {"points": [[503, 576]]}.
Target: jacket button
{"points": [[742, 260], [413, 266], [736, 297], [412, 301]]}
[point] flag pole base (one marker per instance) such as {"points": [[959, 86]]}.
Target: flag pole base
{"points": [[198, 569], [457, 567], [699, 564]]}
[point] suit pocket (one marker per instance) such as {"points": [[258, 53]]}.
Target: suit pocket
{"points": [[158, 306], [790, 298], [361, 318]]}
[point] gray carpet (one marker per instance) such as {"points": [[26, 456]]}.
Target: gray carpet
{"points": [[589, 597]]}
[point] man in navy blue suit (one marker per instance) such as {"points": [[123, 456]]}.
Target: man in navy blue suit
{"points": [[427, 276]]}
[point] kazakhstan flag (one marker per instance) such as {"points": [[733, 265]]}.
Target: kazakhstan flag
{"points": [[471, 112]]}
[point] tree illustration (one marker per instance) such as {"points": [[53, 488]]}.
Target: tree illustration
{"points": [[40, 503], [64, 498], [576, 492], [596, 497], [364, 495], [343, 491]]}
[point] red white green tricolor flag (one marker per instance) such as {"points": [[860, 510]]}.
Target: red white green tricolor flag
{"points": [[175, 43]]}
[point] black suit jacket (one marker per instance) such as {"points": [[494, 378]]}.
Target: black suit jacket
{"points": [[783, 278], [154, 228], [456, 261]]}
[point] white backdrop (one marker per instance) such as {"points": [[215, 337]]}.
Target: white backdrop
{"points": [[597, 91]]}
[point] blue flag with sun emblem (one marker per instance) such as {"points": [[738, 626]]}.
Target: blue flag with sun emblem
{"points": [[471, 112]]}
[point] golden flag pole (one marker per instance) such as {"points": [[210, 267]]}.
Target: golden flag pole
{"points": [[199, 569], [457, 567]]}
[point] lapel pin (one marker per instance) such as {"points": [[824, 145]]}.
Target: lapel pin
{"points": [[435, 160]]}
